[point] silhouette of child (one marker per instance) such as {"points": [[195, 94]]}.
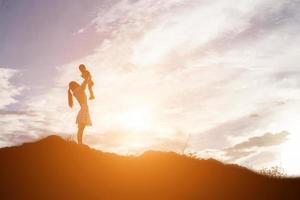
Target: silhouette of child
{"points": [[86, 75]]}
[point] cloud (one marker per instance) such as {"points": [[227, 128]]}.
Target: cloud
{"points": [[5, 112], [114, 15], [10, 120], [8, 91], [266, 20], [223, 134], [18, 125], [266, 140], [255, 145], [16, 138]]}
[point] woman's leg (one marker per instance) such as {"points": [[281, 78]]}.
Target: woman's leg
{"points": [[80, 133]]}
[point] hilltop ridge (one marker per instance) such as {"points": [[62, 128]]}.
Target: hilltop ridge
{"points": [[53, 168]]}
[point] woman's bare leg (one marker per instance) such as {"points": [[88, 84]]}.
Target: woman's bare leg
{"points": [[80, 133]]}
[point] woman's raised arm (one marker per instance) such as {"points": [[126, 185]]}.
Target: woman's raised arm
{"points": [[83, 84]]}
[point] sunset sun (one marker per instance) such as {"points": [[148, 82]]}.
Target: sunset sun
{"points": [[135, 120]]}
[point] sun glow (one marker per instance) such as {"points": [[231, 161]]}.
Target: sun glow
{"points": [[290, 154], [136, 119]]}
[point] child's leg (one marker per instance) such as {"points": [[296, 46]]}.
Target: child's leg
{"points": [[90, 86]]}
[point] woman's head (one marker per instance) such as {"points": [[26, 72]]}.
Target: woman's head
{"points": [[73, 85]]}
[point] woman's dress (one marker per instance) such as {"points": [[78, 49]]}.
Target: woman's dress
{"points": [[83, 116]]}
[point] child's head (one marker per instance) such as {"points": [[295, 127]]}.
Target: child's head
{"points": [[82, 67]]}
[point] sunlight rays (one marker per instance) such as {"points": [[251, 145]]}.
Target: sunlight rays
{"points": [[136, 119]]}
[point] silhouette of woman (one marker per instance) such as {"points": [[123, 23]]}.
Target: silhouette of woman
{"points": [[83, 117]]}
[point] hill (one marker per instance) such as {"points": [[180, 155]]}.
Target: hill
{"points": [[53, 168]]}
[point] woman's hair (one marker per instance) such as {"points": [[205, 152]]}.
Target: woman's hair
{"points": [[70, 98], [72, 86]]}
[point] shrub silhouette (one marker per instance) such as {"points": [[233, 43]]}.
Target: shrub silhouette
{"points": [[53, 168], [275, 171]]}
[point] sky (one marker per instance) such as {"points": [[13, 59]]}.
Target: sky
{"points": [[212, 78]]}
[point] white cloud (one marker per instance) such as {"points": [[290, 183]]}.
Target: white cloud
{"points": [[255, 144], [8, 91]]}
